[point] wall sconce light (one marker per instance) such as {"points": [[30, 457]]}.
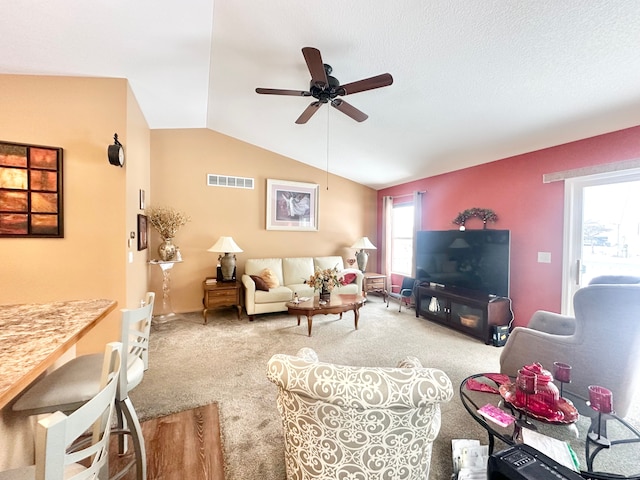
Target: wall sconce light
{"points": [[362, 256], [115, 152], [226, 245]]}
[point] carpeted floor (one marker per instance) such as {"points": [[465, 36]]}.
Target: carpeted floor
{"points": [[193, 364]]}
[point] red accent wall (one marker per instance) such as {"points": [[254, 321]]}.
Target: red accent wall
{"points": [[532, 210]]}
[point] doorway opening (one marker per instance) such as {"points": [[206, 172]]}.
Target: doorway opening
{"points": [[602, 229]]}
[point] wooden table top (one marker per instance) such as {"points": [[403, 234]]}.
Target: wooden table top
{"points": [[34, 336], [342, 300]]}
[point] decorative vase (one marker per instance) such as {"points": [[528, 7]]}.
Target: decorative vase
{"points": [[362, 256], [325, 294], [167, 250]]}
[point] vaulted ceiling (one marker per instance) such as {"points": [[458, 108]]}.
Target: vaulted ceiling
{"points": [[474, 81]]}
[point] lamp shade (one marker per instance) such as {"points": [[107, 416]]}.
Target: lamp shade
{"points": [[226, 245], [363, 244]]}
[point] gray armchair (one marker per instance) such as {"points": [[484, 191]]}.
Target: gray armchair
{"points": [[602, 342]]}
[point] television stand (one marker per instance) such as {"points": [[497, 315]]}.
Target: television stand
{"points": [[466, 311]]}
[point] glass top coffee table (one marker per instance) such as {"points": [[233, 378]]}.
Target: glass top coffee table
{"points": [[339, 303], [620, 460]]}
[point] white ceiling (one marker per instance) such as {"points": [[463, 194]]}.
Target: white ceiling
{"points": [[474, 81]]}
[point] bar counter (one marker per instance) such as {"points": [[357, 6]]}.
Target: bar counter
{"points": [[34, 336]]}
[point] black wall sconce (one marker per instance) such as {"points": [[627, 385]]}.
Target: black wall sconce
{"points": [[115, 152]]}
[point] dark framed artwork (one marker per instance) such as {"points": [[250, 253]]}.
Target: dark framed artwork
{"points": [[292, 205], [143, 232], [30, 191]]}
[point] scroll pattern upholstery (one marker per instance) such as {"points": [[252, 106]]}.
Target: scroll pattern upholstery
{"points": [[357, 423]]}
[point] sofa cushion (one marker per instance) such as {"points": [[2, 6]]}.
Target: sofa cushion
{"points": [[270, 278], [329, 262], [260, 283], [302, 289], [255, 266], [274, 295], [296, 270]]}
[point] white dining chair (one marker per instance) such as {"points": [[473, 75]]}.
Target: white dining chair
{"points": [[63, 449], [71, 385]]}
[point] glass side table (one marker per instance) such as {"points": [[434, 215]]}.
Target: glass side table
{"points": [[167, 309]]}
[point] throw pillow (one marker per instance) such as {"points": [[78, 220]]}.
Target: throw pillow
{"points": [[260, 283], [348, 278], [270, 278]]}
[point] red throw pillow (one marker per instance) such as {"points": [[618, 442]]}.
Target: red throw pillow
{"points": [[260, 283], [348, 278]]}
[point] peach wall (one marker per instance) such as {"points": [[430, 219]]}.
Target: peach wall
{"points": [[181, 160], [138, 177], [80, 115], [532, 210]]}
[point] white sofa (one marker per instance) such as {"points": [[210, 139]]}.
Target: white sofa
{"points": [[291, 273]]}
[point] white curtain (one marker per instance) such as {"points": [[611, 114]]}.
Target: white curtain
{"points": [[417, 225], [387, 205]]}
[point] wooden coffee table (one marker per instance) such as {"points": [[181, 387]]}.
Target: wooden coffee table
{"points": [[339, 303]]}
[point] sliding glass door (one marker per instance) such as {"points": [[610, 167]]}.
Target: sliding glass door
{"points": [[602, 229]]}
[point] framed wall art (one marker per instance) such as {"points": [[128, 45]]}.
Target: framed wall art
{"points": [[143, 232], [30, 191], [292, 205]]}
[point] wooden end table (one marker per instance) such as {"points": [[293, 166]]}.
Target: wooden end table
{"points": [[220, 295], [339, 303], [375, 283]]}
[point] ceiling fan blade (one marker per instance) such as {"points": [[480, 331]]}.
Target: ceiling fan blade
{"points": [[308, 113], [367, 84], [316, 67], [277, 91], [349, 110]]}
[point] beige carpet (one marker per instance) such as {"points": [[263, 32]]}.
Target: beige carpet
{"points": [[192, 364], [224, 361]]}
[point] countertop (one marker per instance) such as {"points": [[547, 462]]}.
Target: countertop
{"points": [[34, 336]]}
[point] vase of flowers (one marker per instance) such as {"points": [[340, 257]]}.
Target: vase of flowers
{"points": [[167, 250], [167, 221], [324, 281]]}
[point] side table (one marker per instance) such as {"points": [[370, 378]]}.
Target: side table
{"points": [[375, 283], [220, 295]]}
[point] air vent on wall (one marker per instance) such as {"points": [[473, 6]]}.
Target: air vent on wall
{"points": [[231, 182]]}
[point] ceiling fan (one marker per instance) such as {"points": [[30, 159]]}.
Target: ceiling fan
{"points": [[325, 88]]}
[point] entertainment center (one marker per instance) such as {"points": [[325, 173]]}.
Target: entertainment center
{"points": [[463, 279], [473, 314]]}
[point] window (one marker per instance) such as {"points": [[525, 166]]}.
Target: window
{"points": [[402, 239]]}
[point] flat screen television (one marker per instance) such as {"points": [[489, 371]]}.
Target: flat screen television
{"points": [[471, 260]]}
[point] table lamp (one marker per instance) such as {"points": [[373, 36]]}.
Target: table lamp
{"points": [[362, 256], [226, 245]]}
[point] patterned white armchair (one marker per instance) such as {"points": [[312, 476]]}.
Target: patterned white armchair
{"points": [[357, 423]]}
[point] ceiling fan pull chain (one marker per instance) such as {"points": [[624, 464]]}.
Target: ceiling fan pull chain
{"points": [[328, 113]]}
